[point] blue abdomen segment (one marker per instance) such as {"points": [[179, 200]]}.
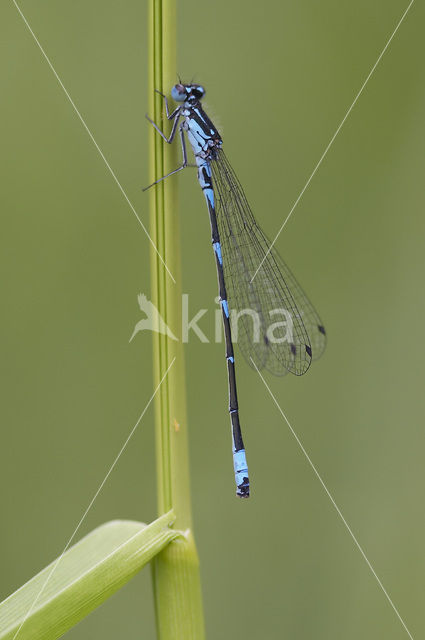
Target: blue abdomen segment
{"points": [[225, 307], [217, 249], [241, 473], [205, 180]]}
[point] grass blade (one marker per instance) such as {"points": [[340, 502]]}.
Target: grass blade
{"points": [[72, 586]]}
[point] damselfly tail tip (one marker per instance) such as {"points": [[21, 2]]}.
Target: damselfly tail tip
{"points": [[242, 490]]}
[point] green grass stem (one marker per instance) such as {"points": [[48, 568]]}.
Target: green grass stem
{"points": [[177, 588]]}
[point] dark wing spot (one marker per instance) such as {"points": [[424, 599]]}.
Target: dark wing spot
{"points": [[321, 329], [308, 349], [266, 340], [293, 348]]}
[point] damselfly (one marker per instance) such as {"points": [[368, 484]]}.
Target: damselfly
{"points": [[255, 285]]}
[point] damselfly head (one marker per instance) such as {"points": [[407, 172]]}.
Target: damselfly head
{"points": [[187, 92]]}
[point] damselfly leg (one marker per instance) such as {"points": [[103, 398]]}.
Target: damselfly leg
{"points": [[170, 116]]}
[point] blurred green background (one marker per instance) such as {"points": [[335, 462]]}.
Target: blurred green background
{"points": [[280, 78]]}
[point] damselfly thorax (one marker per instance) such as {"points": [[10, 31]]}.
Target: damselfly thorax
{"points": [[202, 135]]}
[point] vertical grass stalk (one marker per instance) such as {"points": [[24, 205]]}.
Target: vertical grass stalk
{"points": [[176, 580]]}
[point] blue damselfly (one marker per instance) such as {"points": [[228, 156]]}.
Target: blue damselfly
{"points": [[254, 282]]}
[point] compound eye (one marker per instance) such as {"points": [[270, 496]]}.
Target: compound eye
{"points": [[178, 93], [198, 91]]}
